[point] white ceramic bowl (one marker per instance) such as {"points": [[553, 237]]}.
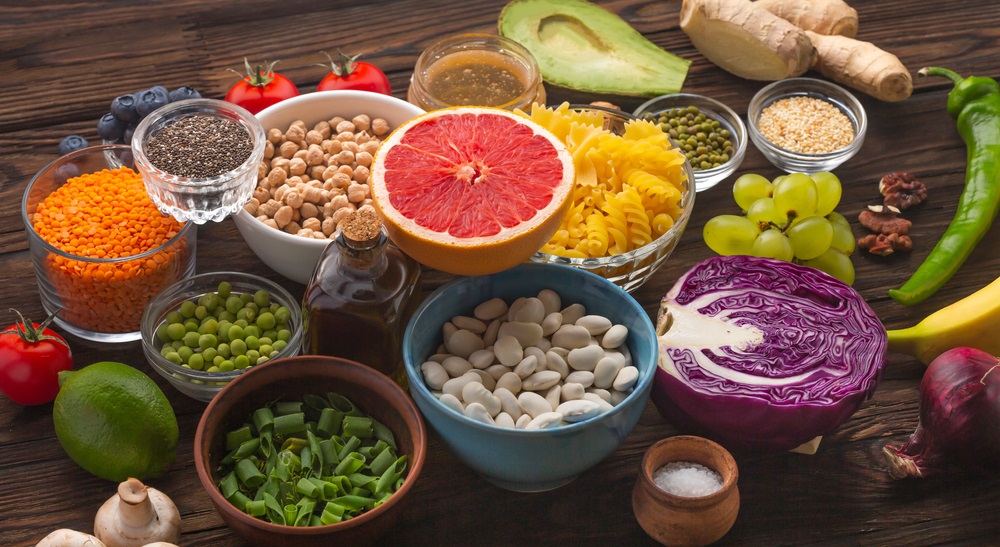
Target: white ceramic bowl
{"points": [[290, 255]]}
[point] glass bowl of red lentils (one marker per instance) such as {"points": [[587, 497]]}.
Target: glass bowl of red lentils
{"points": [[100, 249], [199, 158], [806, 125], [711, 135]]}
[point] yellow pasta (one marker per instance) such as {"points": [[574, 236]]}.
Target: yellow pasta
{"points": [[628, 187]]}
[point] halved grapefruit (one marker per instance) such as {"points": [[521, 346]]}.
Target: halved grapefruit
{"points": [[471, 190]]}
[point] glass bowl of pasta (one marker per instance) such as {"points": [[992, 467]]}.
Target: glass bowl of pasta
{"points": [[713, 136], [633, 195]]}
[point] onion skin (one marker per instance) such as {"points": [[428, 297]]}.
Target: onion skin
{"points": [[959, 424]]}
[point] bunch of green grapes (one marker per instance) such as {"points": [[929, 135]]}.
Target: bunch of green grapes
{"points": [[791, 218]]}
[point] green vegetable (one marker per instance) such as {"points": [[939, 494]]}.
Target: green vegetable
{"points": [[334, 462], [706, 142], [975, 104]]}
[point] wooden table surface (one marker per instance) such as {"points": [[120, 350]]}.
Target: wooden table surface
{"points": [[63, 62]]}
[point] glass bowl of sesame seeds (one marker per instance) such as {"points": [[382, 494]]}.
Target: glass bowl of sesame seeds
{"points": [[806, 125], [199, 158]]}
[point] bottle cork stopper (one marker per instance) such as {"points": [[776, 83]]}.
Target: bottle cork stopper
{"points": [[361, 229]]}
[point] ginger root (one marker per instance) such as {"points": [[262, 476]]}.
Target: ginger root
{"points": [[862, 66], [746, 39], [829, 17]]}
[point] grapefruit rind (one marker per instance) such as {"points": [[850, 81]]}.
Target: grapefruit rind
{"points": [[510, 244]]}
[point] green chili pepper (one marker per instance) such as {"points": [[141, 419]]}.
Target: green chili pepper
{"points": [[975, 104]]}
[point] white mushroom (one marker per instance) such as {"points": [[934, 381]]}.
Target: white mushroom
{"points": [[136, 516], [64, 537]]}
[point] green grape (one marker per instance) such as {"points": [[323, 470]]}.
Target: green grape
{"points": [[730, 234], [749, 188], [796, 194], [772, 243], [811, 237], [843, 238], [837, 218], [764, 213], [828, 192], [834, 263]]}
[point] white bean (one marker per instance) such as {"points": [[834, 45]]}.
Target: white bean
{"points": [[533, 404], [463, 343], [606, 372], [452, 402], [626, 378], [585, 358], [514, 307], [573, 312], [595, 324], [456, 366], [551, 323], [528, 334], [578, 410], [541, 380], [600, 392], [605, 406], [539, 356], [553, 395], [616, 355], [545, 421], [618, 396], [491, 309], [454, 386], [523, 421], [447, 330], [572, 391], [438, 357], [490, 336], [484, 378], [508, 402], [544, 344], [532, 311], [550, 299], [504, 420], [474, 392], [570, 337], [554, 361], [482, 358], [434, 374], [583, 377], [511, 382], [470, 324], [479, 413], [497, 371], [615, 336], [526, 367], [508, 351]]}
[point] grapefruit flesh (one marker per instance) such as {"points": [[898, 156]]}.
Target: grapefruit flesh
{"points": [[471, 190]]}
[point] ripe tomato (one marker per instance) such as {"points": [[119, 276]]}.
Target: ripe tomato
{"points": [[352, 74], [31, 358], [260, 88]]}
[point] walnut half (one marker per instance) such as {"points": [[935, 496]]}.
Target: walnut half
{"points": [[882, 244], [884, 219], [902, 190]]}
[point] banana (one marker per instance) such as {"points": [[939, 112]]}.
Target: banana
{"points": [[973, 321]]}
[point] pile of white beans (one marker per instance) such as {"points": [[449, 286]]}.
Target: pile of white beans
{"points": [[531, 365]]}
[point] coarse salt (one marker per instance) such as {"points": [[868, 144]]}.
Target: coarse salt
{"points": [[687, 479]]}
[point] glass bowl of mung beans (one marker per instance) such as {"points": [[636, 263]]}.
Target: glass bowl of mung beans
{"points": [[203, 331], [99, 247], [712, 136], [199, 158], [806, 125]]}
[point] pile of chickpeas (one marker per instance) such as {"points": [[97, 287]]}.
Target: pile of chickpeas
{"points": [[311, 179]]}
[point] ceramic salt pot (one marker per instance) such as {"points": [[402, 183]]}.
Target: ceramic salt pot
{"points": [[687, 517]]}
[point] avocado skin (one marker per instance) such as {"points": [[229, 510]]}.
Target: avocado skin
{"points": [[584, 47]]}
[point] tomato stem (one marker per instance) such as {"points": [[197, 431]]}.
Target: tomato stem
{"points": [[346, 66], [257, 76], [29, 333]]}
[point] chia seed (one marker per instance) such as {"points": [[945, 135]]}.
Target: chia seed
{"points": [[199, 146]]}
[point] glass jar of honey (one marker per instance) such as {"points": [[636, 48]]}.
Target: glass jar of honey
{"points": [[476, 70]]}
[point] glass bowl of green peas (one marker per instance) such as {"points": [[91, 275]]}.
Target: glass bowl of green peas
{"points": [[203, 331], [712, 135]]}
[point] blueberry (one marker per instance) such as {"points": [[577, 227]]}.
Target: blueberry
{"points": [[123, 107], [150, 100], [110, 128], [65, 172], [71, 143], [182, 93], [127, 135]]}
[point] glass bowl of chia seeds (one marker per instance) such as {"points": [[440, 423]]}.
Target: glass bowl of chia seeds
{"points": [[806, 125], [199, 158], [713, 137]]}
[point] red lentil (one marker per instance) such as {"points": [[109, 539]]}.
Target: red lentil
{"points": [[107, 215], [806, 125]]}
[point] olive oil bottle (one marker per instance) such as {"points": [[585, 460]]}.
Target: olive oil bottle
{"points": [[361, 297]]}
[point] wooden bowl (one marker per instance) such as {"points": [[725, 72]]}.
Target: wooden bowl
{"points": [[290, 379], [679, 520]]}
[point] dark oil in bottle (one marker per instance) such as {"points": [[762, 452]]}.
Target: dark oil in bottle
{"points": [[361, 297]]}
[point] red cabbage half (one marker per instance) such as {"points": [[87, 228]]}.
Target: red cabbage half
{"points": [[761, 354]]}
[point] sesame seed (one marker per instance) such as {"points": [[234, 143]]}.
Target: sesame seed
{"points": [[806, 125]]}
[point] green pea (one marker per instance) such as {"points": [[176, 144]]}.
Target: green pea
{"points": [[209, 354], [161, 333], [174, 317], [233, 304], [251, 330], [201, 312], [185, 353], [176, 331], [238, 347], [265, 349], [280, 345], [209, 326], [224, 350], [223, 331], [284, 335], [242, 323], [246, 298], [235, 333], [282, 315], [252, 342], [174, 358], [213, 368], [177, 344], [252, 355], [224, 289], [167, 348], [206, 341], [241, 362], [217, 360], [191, 325], [196, 361], [187, 309], [246, 314], [191, 339], [262, 298], [226, 366]]}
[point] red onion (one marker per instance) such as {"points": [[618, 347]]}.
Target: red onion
{"points": [[959, 426]]}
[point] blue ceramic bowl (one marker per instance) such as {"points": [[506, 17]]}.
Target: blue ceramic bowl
{"points": [[537, 460]]}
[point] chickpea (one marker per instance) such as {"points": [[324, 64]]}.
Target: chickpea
{"points": [[346, 170], [342, 213], [251, 206], [328, 173], [296, 166], [276, 177], [296, 133], [260, 195], [274, 136], [315, 172], [363, 158], [352, 147], [361, 122], [335, 120], [283, 216], [356, 192], [313, 137], [280, 163], [371, 146], [323, 128], [346, 127], [312, 194], [261, 170], [292, 228], [269, 222], [314, 155], [293, 199], [361, 174], [367, 206], [339, 202], [344, 157], [301, 154], [346, 136], [329, 227], [268, 150], [269, 208], [312, 224], [380, 127]]}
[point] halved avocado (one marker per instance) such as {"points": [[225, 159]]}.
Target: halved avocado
{"points": [[582, 46]]}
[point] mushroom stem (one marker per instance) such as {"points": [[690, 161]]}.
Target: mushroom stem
{"points": [[135, 510], [137, 515]]}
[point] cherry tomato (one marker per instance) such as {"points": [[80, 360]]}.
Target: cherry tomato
{"points": [[260, 88], [31, 358], [353, 74]]}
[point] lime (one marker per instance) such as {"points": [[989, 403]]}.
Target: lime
{"points": [[115, 422]]}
